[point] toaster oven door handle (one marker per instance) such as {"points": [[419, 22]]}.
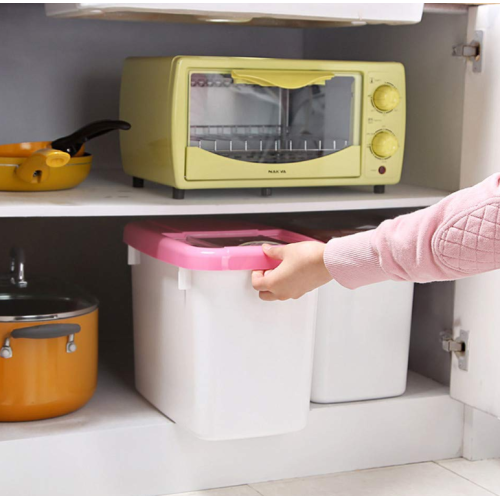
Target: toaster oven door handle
{"points": [[282, 79]]}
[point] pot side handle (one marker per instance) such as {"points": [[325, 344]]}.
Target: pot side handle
{"points": [[37, 167], [51, 331]]}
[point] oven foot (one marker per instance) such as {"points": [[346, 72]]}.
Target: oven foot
{"points": [[178, 194], [266, 191], [137, 182], [379, 189]]}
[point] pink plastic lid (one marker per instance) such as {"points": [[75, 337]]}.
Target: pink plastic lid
{"points": [[180, 224], [208, 250]]}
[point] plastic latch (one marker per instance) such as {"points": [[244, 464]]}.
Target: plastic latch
{"points": [[134, 256], [184, 279]]}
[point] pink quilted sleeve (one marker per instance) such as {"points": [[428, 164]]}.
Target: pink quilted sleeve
{"points": [[456, 238]]}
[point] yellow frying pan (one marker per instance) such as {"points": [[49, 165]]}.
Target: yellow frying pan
{"points": [[47, 166]]}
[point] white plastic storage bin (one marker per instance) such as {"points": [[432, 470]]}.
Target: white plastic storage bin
{"points": [[209, 353], [362, 339]]}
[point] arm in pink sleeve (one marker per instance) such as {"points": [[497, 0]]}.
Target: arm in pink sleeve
{"points": [[456, 238]]}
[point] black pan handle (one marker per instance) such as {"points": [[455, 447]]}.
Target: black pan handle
{"points": [[72, 143], [52, 331]]}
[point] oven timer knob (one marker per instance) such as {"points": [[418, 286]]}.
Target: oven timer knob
{"points": [[384, 144], [386, 98]]}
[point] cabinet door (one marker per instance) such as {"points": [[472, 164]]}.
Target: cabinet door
{"points": [[477, 299]]}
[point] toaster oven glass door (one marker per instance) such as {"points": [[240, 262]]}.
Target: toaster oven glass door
{"points": [[240, 129]]}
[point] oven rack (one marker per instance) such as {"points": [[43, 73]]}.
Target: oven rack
{"points": [[258, 140], [225, 131]]}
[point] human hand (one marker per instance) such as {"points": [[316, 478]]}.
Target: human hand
{"points": [[302, 269]]}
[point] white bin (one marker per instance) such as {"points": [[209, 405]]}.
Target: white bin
{"points": [[209, 353], [362, 342], [362, 339]]}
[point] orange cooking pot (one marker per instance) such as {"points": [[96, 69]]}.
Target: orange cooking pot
{"points": [[48, 346]]}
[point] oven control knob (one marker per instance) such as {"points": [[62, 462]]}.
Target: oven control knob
{"points": [[384, 144], [386, 98]]}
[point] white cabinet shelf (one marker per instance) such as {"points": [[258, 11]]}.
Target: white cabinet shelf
{"points": [[271, 14], [109, 193], [118, 444]]}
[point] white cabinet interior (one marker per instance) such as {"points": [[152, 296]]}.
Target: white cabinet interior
{"points": [[79, 81], [109, 193], [120, 445], [435, 87], [63, 73]]}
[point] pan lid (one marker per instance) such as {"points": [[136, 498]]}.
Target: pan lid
{"points": [[209, 249]]}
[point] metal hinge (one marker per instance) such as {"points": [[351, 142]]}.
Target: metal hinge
{"points": [[458, 345], [473, 51]]}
